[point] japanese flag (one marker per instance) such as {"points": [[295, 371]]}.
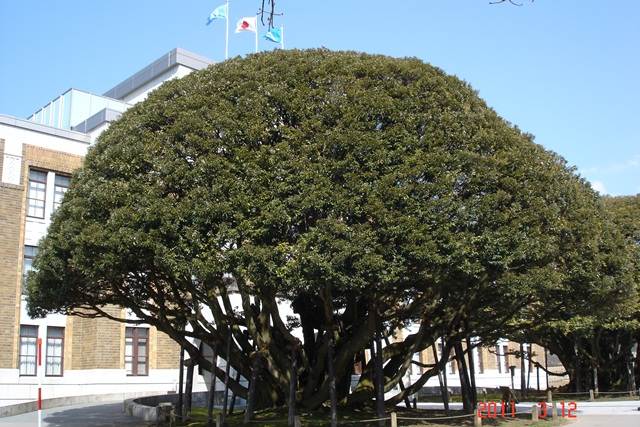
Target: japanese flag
{"points": [[247, 24]]}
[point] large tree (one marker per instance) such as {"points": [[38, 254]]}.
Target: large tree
{"points": [[597, 324], [341, 183]]}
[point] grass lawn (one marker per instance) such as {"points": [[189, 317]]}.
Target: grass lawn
{"points": [[277, 417], [353, 418]]}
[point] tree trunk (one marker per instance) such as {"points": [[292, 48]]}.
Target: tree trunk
{"points": [[332, 378], [444, 378], [252, 396], [472, 374], [523, 383], [180, 382], [443, 385], [464, 379], [529, 371], [578, 376], [189, 391], [630, 363], [407, 402], [379, 381], [292, 386], [227, 370], [212, 385], [634, 361], [234, 394], [546, 366]]}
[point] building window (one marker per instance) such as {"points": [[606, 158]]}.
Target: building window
{"points": [[55, 351], [505, 352], [30, 253], [136, 351], [60, 187], [480, 354], [416, 368], [28, 356], [36, 194]]}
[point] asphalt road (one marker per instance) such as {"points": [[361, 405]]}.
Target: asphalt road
{"points": [[607, 414], [103, 414], [606, 421]]}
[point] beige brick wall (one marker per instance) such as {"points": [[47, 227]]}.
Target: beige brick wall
{"points": [[99, 344], [89, 343], [50, 160], [69, 336], [96, 343], [164, 353], [167, 352], [11, 223], [490, 358]]}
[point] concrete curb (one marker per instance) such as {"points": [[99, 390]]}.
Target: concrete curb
{"points": [[21, 408], [146, 408], [138, 410]]}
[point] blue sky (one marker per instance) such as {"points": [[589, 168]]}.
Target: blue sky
{"points": [[565, 71]]}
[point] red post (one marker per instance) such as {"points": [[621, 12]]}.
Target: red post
{"points": [[39, 351], [39, 374]]}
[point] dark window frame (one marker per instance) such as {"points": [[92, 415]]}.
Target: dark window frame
{"points": [[35, 204], [29, 340], [134, 337], [28, 255], [59, 189], [51, 340]]}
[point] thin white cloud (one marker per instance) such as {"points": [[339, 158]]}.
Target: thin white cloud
{"points": [[615, 179], [630, 164]]}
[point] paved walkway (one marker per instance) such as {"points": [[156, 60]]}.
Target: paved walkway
{"points": [[103, 414], [607, 414], [587, 414], [606, 421]]}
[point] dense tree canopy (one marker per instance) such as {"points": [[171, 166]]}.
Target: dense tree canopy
{"points": [[340, 183], [598, 325]]}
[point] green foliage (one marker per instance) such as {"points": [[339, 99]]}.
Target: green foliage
{"points": [[336, 181], [601, 323]]}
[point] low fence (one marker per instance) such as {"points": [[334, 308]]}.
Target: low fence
{"points": [[394, 418], [553, 408], [168, 417], [592, 395]]}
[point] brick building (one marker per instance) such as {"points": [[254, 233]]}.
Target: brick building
{"points": [[81, 356]]}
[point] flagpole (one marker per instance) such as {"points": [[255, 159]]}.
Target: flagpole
{"points": [[256, 33], [226, 46], [282, 36]]}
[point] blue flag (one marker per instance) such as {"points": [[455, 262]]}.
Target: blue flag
{"points": [[219, 13], [273, 35]]}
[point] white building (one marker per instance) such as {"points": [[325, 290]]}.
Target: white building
{"points": [[80, 357]]}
